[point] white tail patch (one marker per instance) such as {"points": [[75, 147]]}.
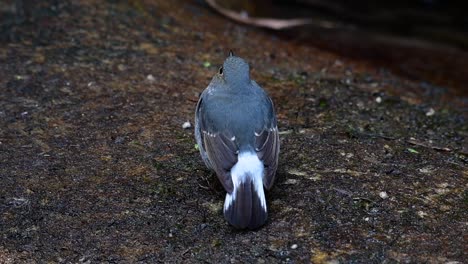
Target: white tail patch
{"points": [[248, 167]]}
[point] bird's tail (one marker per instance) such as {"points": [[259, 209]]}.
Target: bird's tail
{"points": [[246, 206]]}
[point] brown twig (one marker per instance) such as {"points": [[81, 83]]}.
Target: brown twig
{"points": [[268, 22]]}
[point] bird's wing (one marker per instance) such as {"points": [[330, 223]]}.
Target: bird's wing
{"points": [[219, 149], [222, 152], [199, 134], [267, 147]]}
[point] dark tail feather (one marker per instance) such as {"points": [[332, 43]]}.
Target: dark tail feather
{"points": [[259, 214], [244, 209]]}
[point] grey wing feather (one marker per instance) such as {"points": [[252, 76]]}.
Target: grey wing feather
{"points": [[267, 146], [198, 135], [222, 153], [217, 150]]}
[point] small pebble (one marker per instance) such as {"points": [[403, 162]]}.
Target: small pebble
{"points": [[294, 246], [291, 181], [378, 99], [121, 67], [150, 78], [422, 214], [186, 125], [119, 140], [383, 195], [431, 112]]}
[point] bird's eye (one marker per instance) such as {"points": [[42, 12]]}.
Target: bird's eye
{"points": [[220, 71]]}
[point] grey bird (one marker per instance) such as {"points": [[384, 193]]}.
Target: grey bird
{"points": [[237, 135]]}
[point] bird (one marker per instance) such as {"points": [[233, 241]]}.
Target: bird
{"points": [[237, 135]]}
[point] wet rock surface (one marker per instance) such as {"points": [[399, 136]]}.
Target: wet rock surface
{"points": [[96, 166]]}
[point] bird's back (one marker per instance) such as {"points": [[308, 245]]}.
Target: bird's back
{"points": [[242, 113]]}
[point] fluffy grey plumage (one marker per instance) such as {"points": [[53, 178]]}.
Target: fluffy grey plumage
{"points": [[236, 131]]}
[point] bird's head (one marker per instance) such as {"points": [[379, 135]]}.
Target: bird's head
{"points": [[235, 70]]}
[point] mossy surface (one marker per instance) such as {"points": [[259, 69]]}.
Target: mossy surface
{"points": [[96, 167]]}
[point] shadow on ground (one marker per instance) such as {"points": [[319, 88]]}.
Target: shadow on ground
{"points": [[95, 165]]}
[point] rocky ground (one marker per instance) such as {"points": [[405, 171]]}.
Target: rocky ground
{"points": [[96, 167]]}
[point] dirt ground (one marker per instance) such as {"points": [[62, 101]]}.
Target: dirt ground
{"points": [[96, 167]]}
